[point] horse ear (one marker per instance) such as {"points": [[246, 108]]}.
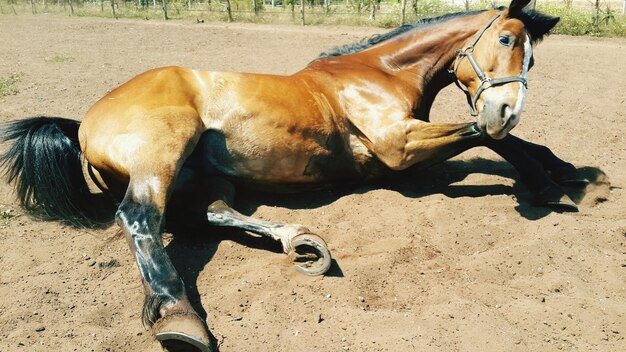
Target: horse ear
{"points": [[517, 6], [539, 25], [549, 23]]}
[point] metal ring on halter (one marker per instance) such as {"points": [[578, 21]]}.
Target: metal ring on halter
{"points": [[485, 81]]}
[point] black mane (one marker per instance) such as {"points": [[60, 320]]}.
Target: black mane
{"points": [[378, 38], [536, 23]]}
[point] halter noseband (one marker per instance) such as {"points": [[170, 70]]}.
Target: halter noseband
{"points": [[485, 81]]}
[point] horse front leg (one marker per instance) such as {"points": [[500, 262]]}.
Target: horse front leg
{"points": [[424, 144], [312, 254], [216, 196], [418, 143], [535, 164], [560, 171]]}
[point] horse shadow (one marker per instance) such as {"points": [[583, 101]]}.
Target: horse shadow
{"points": [[191, 249], [416, 183]]}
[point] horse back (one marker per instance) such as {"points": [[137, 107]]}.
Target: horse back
{"points": [[259, 128]]}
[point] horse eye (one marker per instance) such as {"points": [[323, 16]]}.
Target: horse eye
{"points": [[505, 40]]}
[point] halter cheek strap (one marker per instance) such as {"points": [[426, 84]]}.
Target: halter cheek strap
{"points": [[485, 81]]}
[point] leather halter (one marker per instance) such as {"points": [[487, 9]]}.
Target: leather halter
{"points": [[485, 81]]}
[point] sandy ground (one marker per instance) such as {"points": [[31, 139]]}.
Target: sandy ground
{"points": [[452, 259]]}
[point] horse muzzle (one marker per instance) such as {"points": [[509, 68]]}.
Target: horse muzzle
{"points": [[500, 112]]}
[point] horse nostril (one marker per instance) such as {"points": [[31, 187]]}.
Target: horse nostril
{"points": [[505, 111]]}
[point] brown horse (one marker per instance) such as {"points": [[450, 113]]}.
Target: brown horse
{"points": [[177, 138]]}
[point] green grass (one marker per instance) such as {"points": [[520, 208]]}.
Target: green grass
{"points": [[60, 58], [7, 215], [7, 84], [605, 22]]}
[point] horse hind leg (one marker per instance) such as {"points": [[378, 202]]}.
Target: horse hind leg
{"points": [[140, 215], [166, 309]]}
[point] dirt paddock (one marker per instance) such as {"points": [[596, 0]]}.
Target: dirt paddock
{"points": [[452, 259]]}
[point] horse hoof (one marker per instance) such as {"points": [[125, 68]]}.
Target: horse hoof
{"points": [[564, 203], [554, 197], [574, 182], [312, 254], [178, 332]]}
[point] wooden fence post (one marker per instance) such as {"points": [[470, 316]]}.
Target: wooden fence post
{"points": [[164, 2], [229, 10], [32, 6], [256, 8], [302, 11], [403, 12], [372, 10], [13, 7], [113, 9]]}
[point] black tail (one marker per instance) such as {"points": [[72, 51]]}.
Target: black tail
{"points": [[44, 163]]}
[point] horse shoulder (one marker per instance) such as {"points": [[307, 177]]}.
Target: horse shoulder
{"points": [[377, 115]]}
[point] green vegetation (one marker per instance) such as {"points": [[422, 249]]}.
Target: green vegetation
{"points": [[7, 84], [602, 21], [593, 17], [60, 58], [6, 215]]}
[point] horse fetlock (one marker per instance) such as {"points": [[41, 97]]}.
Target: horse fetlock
{"points": [[286, 233], [157, 305], [152, 311]]}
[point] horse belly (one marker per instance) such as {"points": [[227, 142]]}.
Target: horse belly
{"points": [[275, 162]]}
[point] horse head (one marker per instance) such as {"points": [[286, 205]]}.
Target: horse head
{"points": [[491, 68]]}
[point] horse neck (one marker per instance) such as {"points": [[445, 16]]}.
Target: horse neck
{"points": [[421, 58]]}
